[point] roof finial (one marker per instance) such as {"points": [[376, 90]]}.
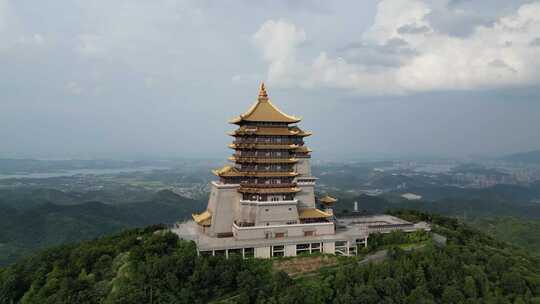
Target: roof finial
{"points": [[262, 92]]}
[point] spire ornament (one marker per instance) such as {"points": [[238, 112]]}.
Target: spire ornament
{"points": [[262, 92]]}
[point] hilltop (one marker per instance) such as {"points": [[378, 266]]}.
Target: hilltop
{"points": [[524, 157], [151, 266]]}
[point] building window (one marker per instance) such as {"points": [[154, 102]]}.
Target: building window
{"points": [[290, 209], [235, 252], [315, 247], [309, 233], [266, 210], [278, 251], [302, 249], [279, 235]]}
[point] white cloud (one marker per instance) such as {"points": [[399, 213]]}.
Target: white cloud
{"points": [[74, 88], [279, 42], [91, 45], [491, 56]]}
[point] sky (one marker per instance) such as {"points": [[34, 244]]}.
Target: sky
{"points": [[135, 79]]}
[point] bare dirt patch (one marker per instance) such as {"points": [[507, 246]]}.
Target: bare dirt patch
{"points": [[301, 265]]}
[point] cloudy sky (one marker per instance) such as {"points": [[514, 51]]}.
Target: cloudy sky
{"points": [[160, 78]]}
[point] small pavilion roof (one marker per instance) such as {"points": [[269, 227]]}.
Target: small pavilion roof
{"points": [[328, 200], [203, 219], [264, 111], [312, 213]]}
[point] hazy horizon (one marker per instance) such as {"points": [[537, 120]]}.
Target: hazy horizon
{"points": [[160, 79]]}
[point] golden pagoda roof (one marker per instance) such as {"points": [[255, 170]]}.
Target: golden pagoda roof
{"points": [[260, 160], [264, 111], [312, 213], [203, 219], [230, 171], [263, 146], [328, 200], [269, 190], [271, 131]]}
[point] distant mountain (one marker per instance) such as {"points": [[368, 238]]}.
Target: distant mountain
{"points": [[58, 220], [524, 157], [472, 168]]}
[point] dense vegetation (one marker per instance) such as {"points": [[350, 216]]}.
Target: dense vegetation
{"points": [[39, 223], [142, 266], [522, 232]]}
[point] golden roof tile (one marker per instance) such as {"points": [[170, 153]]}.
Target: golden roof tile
{"points": [[312, 213], [203, 219], [328, 200], [264, 111], [230, 171]]}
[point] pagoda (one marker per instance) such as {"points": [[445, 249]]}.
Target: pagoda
{"points": [[268, 182], [262, 204]]}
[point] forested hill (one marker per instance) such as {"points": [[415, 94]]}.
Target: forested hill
{"points": [[146, 266], [44, 223], [524, 157]]}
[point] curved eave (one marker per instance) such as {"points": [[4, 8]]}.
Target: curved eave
{"points": [[327, 199], [303, 149], [240, 119], [236, 173], [247, 133], [264, 111]]}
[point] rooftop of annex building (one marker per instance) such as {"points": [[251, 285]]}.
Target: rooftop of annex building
{"points": [[348, 228]]}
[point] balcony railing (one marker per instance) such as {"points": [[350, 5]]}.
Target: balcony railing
{"points": [[262, 156], [260, 170], [244, 224], [255, 185], [269, 142]]}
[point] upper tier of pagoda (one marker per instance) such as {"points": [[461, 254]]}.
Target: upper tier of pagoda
{"points": [[264, 111], [270, 131]]}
